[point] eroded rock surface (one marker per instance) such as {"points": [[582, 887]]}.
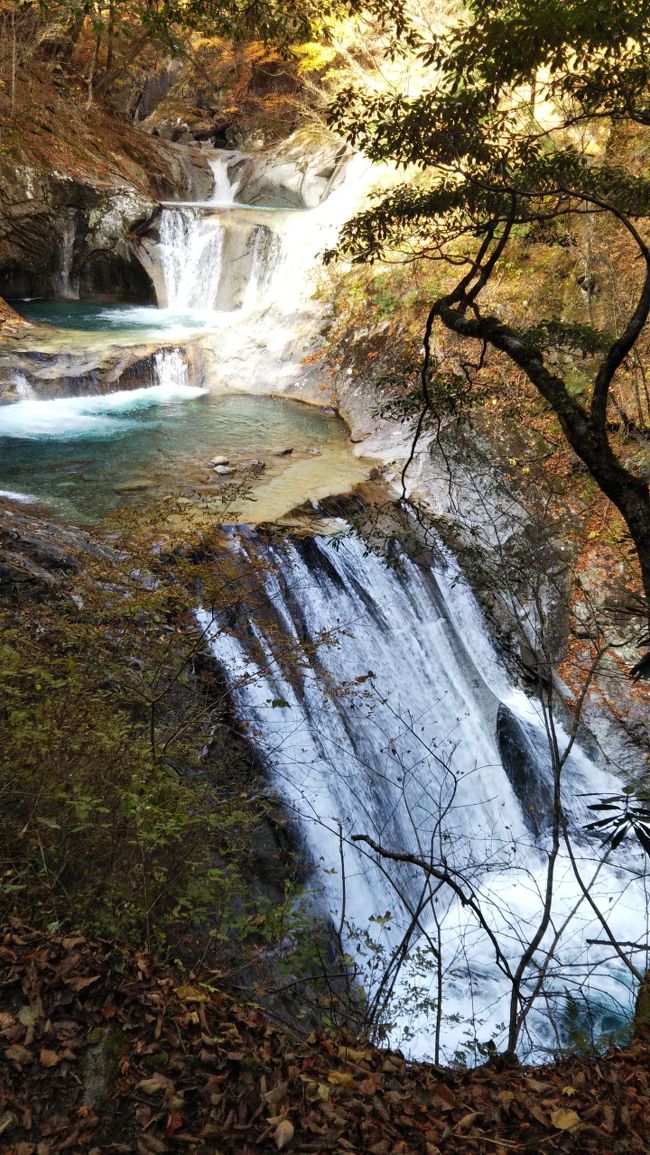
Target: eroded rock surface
{"points": [[68, 233]]}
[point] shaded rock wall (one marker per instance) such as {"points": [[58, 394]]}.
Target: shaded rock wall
{"points": [[73, 187]]}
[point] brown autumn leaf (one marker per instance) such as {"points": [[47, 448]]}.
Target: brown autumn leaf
{"points": [[155, 1084], [73, 940], [538, 1085], [534, 1109], [341, 1078], [466, 1121], [443, 1097], [274, 1097], [283, 1134], [81, 983], [368, 1086], [317, 1093], [18, 1054], [147, 1142], [565, 1120], [49, 1058]]}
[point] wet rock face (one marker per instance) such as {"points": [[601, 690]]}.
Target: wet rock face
{"points": [[67, 237], [297, 174], [32, 225], [59, 237], [523, 757]]}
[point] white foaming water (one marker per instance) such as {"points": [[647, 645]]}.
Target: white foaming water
{"points": [[13, 496], [99, 415], [22, 388], [248, 258], [223, 192], [267, 257], [411, 757], [190, 252]]}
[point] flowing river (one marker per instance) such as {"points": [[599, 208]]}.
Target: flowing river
{"points": [[373, 692]]}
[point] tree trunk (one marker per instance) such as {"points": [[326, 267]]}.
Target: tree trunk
{"points": [[93, 68], [587, 438]]}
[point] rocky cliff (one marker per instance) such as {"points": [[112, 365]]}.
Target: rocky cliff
{"points": [[74, 184]]}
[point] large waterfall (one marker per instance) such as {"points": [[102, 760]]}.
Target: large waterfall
{"points": [[381, 708]]}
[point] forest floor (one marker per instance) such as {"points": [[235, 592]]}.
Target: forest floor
{"points": [[102, 1050]]}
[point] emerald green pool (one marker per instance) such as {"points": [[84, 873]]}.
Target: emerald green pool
{"points": [[81, 454]]}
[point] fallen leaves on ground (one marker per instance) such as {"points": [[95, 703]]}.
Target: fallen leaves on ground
{"points": [[102, 1050]]}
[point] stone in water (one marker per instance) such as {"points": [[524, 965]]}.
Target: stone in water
{"points": [[133, 486]]}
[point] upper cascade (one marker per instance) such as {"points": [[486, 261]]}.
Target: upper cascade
{"points": [[253, 241]]}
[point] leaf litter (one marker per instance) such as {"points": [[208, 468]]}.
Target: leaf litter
{"points": [[103, 1050]]}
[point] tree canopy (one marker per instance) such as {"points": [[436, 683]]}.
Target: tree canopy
{"points": [[163, 20], [514, 132]]}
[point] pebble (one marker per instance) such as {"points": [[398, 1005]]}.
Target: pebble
{"points": [[223, 470], [219, 460]]}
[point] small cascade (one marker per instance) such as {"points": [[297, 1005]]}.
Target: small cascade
{"points": [[171, 372], [190, 253], [98, 416], [224, 191], [65, 288], [22, 390], [267, 256], [395, 728]]}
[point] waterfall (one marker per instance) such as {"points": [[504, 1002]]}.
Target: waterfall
{"points": [[395, 727], [266, 259], [220, 256], [64, 286], [190, 253], [170, 371], [23, 391], [223, 191], [102, 415]]}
